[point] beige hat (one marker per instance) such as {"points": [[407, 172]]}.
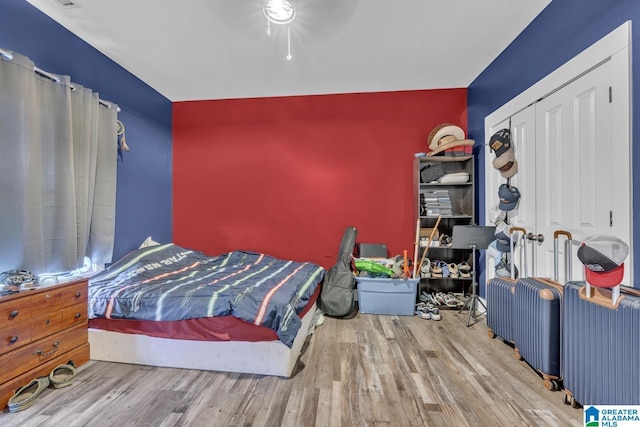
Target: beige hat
{"points": [[506, 163], [445, 133], [446, 136]]}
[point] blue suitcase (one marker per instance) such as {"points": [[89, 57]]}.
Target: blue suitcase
{"points": [[537, 321], [601, 346], [500, 295], [500, 307]]}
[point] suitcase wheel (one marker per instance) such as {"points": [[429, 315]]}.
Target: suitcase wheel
{"points": [[516, 354], [551, 385], [491, 334], [569, 400]]}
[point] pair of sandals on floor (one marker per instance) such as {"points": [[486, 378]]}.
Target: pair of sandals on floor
{"points": [[60, 376], [435, 299], [438, 268]]}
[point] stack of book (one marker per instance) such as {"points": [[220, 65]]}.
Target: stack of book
{"points": [[459, 151], [435, 202]]}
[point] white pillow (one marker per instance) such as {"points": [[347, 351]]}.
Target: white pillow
{"points": [[148, 242]]}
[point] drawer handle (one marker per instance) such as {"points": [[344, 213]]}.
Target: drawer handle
{"points": [[46, 322], [78, 315], [47, 296], [78, 294], [13, 340], [14, 313], [48, 353]]}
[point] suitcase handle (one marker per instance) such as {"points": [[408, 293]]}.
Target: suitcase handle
{"points": [[523, 265], [599, 296], [567, 255]]}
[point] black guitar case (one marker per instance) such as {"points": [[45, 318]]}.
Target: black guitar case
{"points": [[338, 295]]}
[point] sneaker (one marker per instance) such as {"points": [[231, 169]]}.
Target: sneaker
{"points": [[435, 313], [424, 314], [425, 269], [445, 240]]}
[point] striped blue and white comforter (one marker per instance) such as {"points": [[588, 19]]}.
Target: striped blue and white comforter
{"points": [[168, 282]]}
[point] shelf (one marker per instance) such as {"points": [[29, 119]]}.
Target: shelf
{"points": [[447, 217], [438, 184], [444, 159], [461, 205]]}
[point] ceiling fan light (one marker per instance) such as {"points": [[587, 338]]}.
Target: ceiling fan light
{"points": [[279, 11]]}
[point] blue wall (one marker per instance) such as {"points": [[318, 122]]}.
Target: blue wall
{"points": [[144, 189], [560, 32]]}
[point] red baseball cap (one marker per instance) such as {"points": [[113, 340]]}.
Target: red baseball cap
{"points": [[603, 258]]}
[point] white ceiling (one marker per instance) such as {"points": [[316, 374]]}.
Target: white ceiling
{"points": [[219, 49]]}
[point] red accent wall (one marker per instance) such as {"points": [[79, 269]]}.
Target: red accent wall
{"points": [[287, 175]]}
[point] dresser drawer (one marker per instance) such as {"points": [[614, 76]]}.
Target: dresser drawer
{"points": [[41, 351], [14, 335], [45, 324], [74, 315], [74, 294], [50, 300], [15, 310]]}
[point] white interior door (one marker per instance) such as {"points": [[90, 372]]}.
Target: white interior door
{"points": [[574, 189]]}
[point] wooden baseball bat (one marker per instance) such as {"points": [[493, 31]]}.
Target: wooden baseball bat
{"points": [[424, 254]]}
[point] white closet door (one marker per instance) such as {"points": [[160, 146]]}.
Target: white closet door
{"points": [[523, 137], [573, 166]]}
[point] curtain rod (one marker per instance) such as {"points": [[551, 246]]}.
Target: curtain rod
{"points": [[52, 77]]}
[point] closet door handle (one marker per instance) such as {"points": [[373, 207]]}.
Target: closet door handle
{"points": [[536, 237]]}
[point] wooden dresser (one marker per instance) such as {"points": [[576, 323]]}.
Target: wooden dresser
{"points": [[39, 330]]}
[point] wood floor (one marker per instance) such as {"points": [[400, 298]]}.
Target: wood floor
{"points": [[366, 371]]}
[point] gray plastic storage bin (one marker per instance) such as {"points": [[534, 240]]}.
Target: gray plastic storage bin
{"points": [[387, 296]]}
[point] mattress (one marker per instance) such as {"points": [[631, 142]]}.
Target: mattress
{"points": [[223, 328]]}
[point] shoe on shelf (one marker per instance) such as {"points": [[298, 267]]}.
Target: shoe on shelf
{"points": [[445, 240], [464, 267], [453, 270], [26, 395], [436, 271], [425, 269], [62, 375]]}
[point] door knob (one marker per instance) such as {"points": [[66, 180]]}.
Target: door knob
{"points": [[536, 237]]}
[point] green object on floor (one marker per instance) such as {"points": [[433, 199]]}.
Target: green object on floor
{"points": [[373, 267]]}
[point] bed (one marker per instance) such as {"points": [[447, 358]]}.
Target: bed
{"points": [[240, 311]]}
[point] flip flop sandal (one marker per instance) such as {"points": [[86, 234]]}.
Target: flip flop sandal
{"points": [[436, 271], [453, 270], [62, 376], [444, 267], [25, 396], [451, 301], [464, 267]]}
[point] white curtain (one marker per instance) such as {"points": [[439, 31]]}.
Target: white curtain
{"points": [[58, 155]]}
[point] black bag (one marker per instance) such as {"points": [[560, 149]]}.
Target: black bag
{"points": [[337, 298], [431, 172]]}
